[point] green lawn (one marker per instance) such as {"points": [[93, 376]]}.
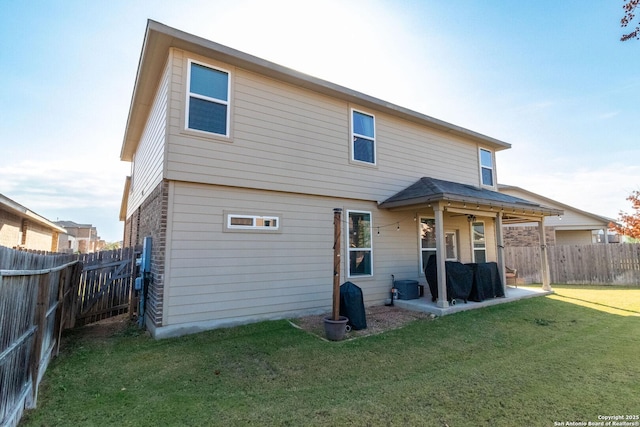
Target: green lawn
{"points": [[527, 363]]}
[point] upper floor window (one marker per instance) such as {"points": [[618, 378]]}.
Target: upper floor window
{"points": [[486, 167], [208, 99], [363, 134]]}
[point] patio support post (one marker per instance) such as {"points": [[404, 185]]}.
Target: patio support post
{"points": [[440, 256], [544, 259], [500, 241]]}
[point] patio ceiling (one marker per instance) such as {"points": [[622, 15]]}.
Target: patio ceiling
{"points": [[465, 198]]}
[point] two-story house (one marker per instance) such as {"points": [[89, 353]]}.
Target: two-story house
{"points": [[82, 238], [237, 165]]}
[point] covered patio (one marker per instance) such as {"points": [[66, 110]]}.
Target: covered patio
{"points": [[444, 201], [424, 303]]}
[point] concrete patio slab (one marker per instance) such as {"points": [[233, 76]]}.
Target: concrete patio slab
{"points": [[424, 303]]}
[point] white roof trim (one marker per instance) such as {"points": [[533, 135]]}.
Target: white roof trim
{"points": [[21, 211]]}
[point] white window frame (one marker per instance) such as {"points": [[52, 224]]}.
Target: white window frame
{"points": [[454, 233], [490, 168], [455, 245], [255, 222], [473, 240], [370, 138], [422, 250], [190, 94], [350, 249]]}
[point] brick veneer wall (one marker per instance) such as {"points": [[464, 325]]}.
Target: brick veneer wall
{"points": [[527, 236], [39, 237], [19, 232], [150, 219], [10, 226]]}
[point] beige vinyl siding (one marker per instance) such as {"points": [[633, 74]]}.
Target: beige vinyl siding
{"points": [[574, 237], [571, 218], [217, 276], [410, 150], [288, 138], [149, 156], [575, 220]]}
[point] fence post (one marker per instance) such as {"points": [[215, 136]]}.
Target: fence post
{"points": [[40, 323], [74, 300], [60, 309]]}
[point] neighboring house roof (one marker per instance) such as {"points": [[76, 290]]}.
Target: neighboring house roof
{"points": [[427, 190], [159, 38], [23, 212], [573, 218], [71, 224]]}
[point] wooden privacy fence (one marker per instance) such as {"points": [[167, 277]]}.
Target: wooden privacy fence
{"points": [[37, 301], [597, 264], [105, 285]]}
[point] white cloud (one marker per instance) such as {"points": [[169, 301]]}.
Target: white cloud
{"points": [[602, 191], [84, 192], [572, 124], [609, 115]]}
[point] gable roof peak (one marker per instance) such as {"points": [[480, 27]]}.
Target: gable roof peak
{"points": [[159, 38]]}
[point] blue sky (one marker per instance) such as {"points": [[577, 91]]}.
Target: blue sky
{"points": [[550, 77]]}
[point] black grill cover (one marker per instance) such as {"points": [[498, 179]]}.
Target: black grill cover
{"points": [[486, 281], [352, 305], [431, 274], [459, 279]]}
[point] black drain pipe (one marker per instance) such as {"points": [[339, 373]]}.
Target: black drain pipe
{"points": [[393, 281]]}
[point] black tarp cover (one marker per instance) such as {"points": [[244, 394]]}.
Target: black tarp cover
{"points": [[459, 279], [486, 281], [352, 305]]}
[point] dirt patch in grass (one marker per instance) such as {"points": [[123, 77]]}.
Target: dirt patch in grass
{"points": [[101, 331], [379, 319], [107, 327]]}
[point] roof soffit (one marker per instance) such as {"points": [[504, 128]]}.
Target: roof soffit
{"points": [[25, 213]]}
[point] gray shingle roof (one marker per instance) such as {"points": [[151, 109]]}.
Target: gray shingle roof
{"points": [[427, 190]]}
